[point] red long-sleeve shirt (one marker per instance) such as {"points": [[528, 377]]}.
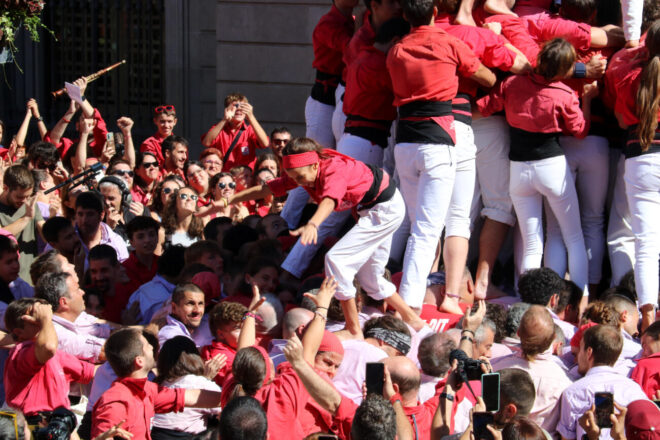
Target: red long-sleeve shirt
{"points": [[99, 132], [329, 39]]}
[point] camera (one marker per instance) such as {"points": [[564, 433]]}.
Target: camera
{"points": [[61, 424], [467, 368]]}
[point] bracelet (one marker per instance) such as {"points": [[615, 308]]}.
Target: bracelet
{"points": [[467, 330], [467, 338], [321, 307], [40, 119], [83, 98], [449, 397], [252, 315], [325, 318], [396, 397], [68, 121], [313, 224], [224, 199]]}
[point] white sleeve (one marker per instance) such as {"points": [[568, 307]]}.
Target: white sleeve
{"points": [[631, 13]]}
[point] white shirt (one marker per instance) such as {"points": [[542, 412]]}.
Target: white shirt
{"points": [[579, 397], [83, 338], [427, 387], [352, 371], [566, 327]]}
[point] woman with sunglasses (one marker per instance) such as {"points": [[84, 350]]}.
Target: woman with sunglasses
{"points": [[211, 158], [223, 185], [146, 178], [163, 193], [181, 225], [198, 179]]}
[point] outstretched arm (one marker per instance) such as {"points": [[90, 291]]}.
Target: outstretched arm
{"points": [[247, 336], [314, 333]]}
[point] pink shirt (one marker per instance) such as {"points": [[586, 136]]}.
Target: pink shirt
{"points": [[352, 371], [32, 387], [550, 380], [83, 338]]}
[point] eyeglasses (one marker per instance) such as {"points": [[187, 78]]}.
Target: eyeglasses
{"points": [[184, 196], [223, 185], [150, 164], [281, 141], [123, 173], [164, 108], [212, 162]]}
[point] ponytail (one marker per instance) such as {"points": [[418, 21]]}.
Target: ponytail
{"points": [[648, 93]]}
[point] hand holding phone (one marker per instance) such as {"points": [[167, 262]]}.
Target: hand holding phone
{"points": [[604, 403], [480, 422], [490, 391], [375, 376]]}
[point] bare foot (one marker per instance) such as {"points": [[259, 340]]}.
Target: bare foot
{"points": [[465, 19], [498, 7]]}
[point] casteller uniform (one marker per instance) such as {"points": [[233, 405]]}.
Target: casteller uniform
{"points": [[441, 321], [99, 133], [154, 145], [424, 66], [216, 348], [538, 111], [352, 185], [330, 38], [647, 375], [368, 107], [245, 149]]}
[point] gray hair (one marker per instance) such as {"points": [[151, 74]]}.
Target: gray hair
{"points": [[480, 334], [513, 318], [271, 313], [51, 287]]}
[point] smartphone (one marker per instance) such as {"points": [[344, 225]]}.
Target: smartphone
{"points": [[110, 140], [375, 377], [604, 403], [480, 421], [490, 391]]}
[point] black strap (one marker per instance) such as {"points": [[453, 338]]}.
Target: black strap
{"points": [[233, 144]]}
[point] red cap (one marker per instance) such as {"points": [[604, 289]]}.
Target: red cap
{"points": [[331, 342], [210, 285], [643, 420], [575, 340]]}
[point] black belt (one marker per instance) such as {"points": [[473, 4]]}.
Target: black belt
{"points": [[324, 87], [416, 126], [633, 148], [460, 109], [527, 145], [371, 197], [374, 130]]}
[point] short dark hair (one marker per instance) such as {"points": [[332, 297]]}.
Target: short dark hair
{"points": [[448, 6], [18, 177], [43, 264], [653, 331], [627, 282], [243, 419], [168, 143], [178, 357], [51, 287], [211, 228], [141, 223], [103, 252], [433, 354], [517, 387], [418, 12], [522, 428], [570, 294], [7, 245], [180, 290], [236, 236], [17, 309], [578, 10], [53, 226], [197, 250], [90, 200], [278, 130], [605, 342], [536, 286], [374, 419], [43, 155], [394, 27], [121, 349], [172, 261]]}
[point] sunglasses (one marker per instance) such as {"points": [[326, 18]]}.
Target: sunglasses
{"points": [[164, 108], [123, 173], [150, 164], [185, 196], [223, 185], [281, 141]]}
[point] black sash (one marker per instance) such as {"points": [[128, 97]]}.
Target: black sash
{"points": [[460, 109], [324, 87], [633, 148], [416, 126], [375, 131], [233, 144], [371, 197], [526, 145]]}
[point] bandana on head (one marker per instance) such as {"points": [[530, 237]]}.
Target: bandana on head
{"points": [[299, 160], [400, 341]]}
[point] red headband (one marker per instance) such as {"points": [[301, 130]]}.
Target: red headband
{"points": [[264, 353], [300, 159]]}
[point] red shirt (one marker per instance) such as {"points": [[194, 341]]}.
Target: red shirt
{"points": [[340, 178], [620, 65], [153, 145], [368, 87], [544, 27], [215, 349], [291, 409], [363, 38], [32, 387], [533, 104], [136, 401], [515, 30], [100, 132], [116, 304], [425, 63], [647, 375], [330, 37], [626, 103], [441, 321], [138, 272], [244, 152], [140, 195], [528, 7]]}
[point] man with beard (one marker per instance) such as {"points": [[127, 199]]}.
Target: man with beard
{"points": [[187, 315], [110, 281], [175, 154]]}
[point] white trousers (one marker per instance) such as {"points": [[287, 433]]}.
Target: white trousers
{"points": [[589, 161], [426, 175], [491, 137], [364, 251], [642, 178], [549, 178], [338, 116], [457, 223], [361, 149], [620, 238], [318, 122]]}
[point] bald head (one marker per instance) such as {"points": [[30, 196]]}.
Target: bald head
{"points": [[295, 321], [536, 331], [405, 374], [271, 313]]}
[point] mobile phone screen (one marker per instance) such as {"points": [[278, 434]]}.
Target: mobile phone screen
{"points": [[604, 403], [490, 391], [375, 377], [480, 421]]}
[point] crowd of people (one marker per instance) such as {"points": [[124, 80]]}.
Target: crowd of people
{"points": [[319, 287]]}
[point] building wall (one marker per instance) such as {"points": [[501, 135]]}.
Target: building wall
{"points": [[264, 50]]}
